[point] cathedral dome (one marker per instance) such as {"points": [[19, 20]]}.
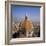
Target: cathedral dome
{"points": [[27, 24]]}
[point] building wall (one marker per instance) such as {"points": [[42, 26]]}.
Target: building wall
{"points": [[2, 22]]}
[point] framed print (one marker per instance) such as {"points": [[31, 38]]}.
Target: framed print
{"points": [[24, 22]]}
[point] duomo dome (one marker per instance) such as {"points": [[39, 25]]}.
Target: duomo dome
{"points": [[27, 24]]}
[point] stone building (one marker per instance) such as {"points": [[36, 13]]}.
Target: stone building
{"points": [[27, 25], [24, 28]]}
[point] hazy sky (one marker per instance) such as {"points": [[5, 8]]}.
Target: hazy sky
{"points": [[19, 12]]}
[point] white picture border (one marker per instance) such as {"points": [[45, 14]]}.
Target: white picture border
{"points": [[21, 40]]}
